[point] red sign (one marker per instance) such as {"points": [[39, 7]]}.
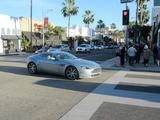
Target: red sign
{"points": [[46, 23]]}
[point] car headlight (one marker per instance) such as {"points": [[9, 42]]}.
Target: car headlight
{"points": [[85, 67]]}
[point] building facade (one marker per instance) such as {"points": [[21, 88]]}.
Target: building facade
{"points": [[156, 2], [156, 23], [25, 25], [79, 31], [10, 40]]}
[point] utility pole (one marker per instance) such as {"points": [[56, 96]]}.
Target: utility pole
{"points": [[136, 22], [126, 32], [43, 25], [31, 22]]}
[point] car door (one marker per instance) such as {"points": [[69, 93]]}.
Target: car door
{"points": [[49, 65]]}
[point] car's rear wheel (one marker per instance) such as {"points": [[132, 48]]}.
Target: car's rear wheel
{"points": [[72, 73], [32, 68]]}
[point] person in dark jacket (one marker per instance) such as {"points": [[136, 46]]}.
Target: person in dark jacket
{"points": [[138, 53], [122, 55], [155, 52]]}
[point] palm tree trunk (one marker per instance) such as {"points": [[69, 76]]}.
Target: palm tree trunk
{"points": [[141, 19], [91, 31], [88, 30], [137, 11], [69, 18]]}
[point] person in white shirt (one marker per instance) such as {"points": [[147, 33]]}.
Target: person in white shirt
{"points": [[131, 53]]}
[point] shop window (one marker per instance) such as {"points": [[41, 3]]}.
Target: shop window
{"points": [[2, 31], [8, 31]]}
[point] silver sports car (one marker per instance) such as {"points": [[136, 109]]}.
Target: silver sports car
{"points": [[63, 63]]}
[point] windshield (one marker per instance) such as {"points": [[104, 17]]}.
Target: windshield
{"points": [[82, 45], [65, 56]]}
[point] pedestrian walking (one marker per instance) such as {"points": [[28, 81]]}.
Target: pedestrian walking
{"points": [[138, 53], [122, 55], [155, 52], [158, 56], [131, 54], [146, 55]]}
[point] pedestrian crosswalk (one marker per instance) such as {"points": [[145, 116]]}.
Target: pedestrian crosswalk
{"points": [[140, 92]]}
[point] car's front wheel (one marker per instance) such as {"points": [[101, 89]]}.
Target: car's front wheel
{"points": [[72, 73], [32, 68]]}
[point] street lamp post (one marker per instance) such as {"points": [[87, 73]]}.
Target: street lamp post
{"points": [[31, 22], [136, 22]]}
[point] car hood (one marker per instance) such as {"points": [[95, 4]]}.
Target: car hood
{"points": [[82, 62]]}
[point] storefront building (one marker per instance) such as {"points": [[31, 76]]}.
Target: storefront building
{"points": [[156, 23], [10, 40]]}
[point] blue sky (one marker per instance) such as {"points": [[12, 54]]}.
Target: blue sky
{"points": [[110, 11]]}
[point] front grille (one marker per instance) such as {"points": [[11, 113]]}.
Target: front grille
{"points": [[97, 70], [79, 49], [95, 75]]}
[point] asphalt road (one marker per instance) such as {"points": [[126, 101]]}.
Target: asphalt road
{"points": [[40, 97], [95, 55]]}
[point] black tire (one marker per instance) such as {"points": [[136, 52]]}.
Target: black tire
{"points": [[72, 73], [32, 68]]}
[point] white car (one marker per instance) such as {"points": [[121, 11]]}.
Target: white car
{"points": [[61, 47], [83, 48], [100, 47], [95, 47]]}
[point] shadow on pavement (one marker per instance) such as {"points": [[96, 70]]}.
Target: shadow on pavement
{"points": [[24, 71], [81, 86]]}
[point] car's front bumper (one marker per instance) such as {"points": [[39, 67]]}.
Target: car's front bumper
{"points": [[90, 73]]}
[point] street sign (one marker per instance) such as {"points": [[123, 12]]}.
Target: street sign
{"points": [[46, 23], [126, 1]]}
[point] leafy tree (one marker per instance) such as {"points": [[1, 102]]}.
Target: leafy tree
{"points": [[144, 17], [118, 34], [25, 43], [88, 18], [50, 31], [113, 26], [69, 9], [142, 12], [101, 26], [58, 31]]}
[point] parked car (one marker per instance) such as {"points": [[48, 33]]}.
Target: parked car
{"points": [[61, 47], [95, 47], [63, 63], [83, 48], [100, 47]]}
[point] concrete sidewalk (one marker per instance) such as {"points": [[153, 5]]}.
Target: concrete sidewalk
{"points": [[122, 97], [128, 95], [115, 65]]}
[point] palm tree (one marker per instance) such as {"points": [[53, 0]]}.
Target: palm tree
{"points": [[113, 26], [92, 20], [101, 26], [141, 7], [88, 18], [68, 10]]}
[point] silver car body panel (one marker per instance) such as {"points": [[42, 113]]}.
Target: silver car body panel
{"points": [[86, 69]]}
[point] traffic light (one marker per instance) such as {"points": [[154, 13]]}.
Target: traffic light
{"points": [[125, 17]]}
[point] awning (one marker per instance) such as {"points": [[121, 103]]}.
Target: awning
{"points": [[10, 37]]}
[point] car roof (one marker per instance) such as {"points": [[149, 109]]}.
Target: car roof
{"points": [[55, 52]]}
